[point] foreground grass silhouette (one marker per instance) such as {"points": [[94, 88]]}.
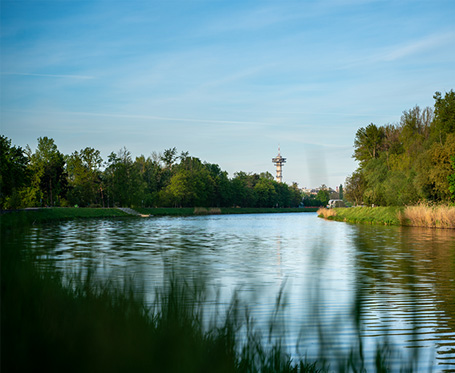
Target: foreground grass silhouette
{"points": [[53, 323], [83, 325]]}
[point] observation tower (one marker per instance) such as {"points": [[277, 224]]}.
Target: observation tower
{"points": [[279, 160]]}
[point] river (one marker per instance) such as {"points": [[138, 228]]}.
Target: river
{"points": [[340, 281]]}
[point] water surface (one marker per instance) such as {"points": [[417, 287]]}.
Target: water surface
{"points": [[402, 279]]}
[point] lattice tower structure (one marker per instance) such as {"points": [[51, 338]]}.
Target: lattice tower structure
{"points": [[279, 161]]}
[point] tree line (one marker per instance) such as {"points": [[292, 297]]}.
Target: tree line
{"points": [[46, 177], [408, 162]]}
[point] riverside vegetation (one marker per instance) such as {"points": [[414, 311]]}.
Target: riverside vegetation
{"points": [[407, 163], [422, 215]]}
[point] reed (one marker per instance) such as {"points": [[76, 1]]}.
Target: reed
{"points": [[207, 211], [431, 216], [326, 213]]}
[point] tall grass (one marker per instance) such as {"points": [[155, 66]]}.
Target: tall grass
{"points": [[326, 213], [425, 215]]}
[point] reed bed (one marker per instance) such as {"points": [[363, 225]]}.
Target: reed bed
{"points": [[207, 211], [326, 213], [424, 215]]}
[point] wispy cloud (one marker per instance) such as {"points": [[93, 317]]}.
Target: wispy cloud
{"points": [[50, 75], [418, 46], [148, 117]]}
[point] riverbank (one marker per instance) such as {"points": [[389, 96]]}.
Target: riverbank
{"points": [[44, 215], [188, 211], [414, 216]]}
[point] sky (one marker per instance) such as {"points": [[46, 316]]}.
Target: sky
{"points": [[227, 81]]}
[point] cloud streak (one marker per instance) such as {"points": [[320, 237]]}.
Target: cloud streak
{"points": [[50, 75]]}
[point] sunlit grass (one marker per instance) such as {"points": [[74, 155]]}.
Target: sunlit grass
{"points": [[367, 215], [425, 215], [326, 213]]}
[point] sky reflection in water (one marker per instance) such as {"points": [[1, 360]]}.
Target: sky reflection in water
{"points": [[403, 278]]}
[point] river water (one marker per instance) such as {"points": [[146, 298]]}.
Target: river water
{"points": [[339, 281]]}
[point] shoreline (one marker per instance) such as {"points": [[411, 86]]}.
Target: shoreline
{"points": [[441, 217], [34, 215]]}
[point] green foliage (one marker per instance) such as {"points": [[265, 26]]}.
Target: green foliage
{"points": [[13, 173], [355, 187], [84, 178], [368, 215], [49, 179], [368, 142], [123, 183], [402, 164], [451, 178]]}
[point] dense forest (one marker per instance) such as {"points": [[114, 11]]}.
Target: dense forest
{"points": [[409, 162], [46, 177]]}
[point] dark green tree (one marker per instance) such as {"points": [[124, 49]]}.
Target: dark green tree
{"points": [[49, 178], [444, 121], [84, 177], [13, 173], [451, 178], [124, 186]]}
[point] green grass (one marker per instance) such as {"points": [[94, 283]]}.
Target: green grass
{"points": [[265, 210], [368, 215], [166, 211], [43, 215], [188, 211]]}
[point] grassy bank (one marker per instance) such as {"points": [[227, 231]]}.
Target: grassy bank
{"points": [[216, 210], [366, 215], [43, 215], [415, 216]]}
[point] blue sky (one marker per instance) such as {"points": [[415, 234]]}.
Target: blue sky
{"points": [[227, 81]]}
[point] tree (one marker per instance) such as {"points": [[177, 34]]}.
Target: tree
{"points": [[340, 191], [170, 156], [150, 173], [191, 184], [368, 141], [123, 182], [47, 167], [451, 178], [323, 195], [444, 121], [266, 195], [295, 195], [13, 173], [84, 177], [441, 168], [355, 187]]}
